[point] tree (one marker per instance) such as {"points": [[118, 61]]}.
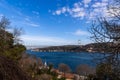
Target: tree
{"points": [[9, 70], [5, 37], [8, 46], [4, 23], [17, 33], [84, 70], [45, 77], [107, 30], [64, 68], [33, 64], [104, 71]]}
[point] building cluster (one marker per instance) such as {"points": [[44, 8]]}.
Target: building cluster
{"points": [[67, 76]]}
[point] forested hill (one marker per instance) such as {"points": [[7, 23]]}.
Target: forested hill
{"points": [[93, 47]]}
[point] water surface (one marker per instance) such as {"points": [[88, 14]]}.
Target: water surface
{"points": [[72, 59]]}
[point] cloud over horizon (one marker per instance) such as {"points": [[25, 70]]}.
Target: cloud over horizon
{"points": [[45, 40]]}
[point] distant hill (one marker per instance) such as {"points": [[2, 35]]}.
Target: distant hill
{"points": [[92, 47], [64, 48], [99, 47]]}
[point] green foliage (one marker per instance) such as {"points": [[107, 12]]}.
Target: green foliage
{"points": [[6, 41], [15, 52], [7, 46]]}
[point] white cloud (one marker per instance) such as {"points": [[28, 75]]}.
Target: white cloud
{"points": [[80, 9], [1, 15], [35, 12], [81, 33], [64, 9], [32, 24], [77, 9], [79, 15], [99, 10], [78, 12], [44, 40], [100, 4], [58, 12], [61, 11], [97, 4], [77, 4], [86, 2], [27, 21], [104, 0]]}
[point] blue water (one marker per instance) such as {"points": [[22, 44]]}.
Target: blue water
{"points": [[72, 59]]}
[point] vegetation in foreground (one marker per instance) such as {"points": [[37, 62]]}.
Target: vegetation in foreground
{"points": [[10, 53], [15, 64]]}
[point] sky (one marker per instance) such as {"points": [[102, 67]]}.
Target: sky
{"points": [[53, 22]]}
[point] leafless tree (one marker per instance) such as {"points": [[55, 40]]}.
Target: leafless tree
{"points": [[4, 24], [16, 34], [107, 30], [84, 70], [7, 38], [64, 68], [30, 64]]}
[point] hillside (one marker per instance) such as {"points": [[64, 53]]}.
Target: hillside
{"points": [[65, 48], [9, 70], [92, 47]]}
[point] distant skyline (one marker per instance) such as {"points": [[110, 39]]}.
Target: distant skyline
{"points": [[53, 22]]}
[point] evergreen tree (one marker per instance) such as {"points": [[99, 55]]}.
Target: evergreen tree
{"points": [[9, 46]]}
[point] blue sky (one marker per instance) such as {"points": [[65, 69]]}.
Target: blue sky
{"points": [[53, 22]]}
